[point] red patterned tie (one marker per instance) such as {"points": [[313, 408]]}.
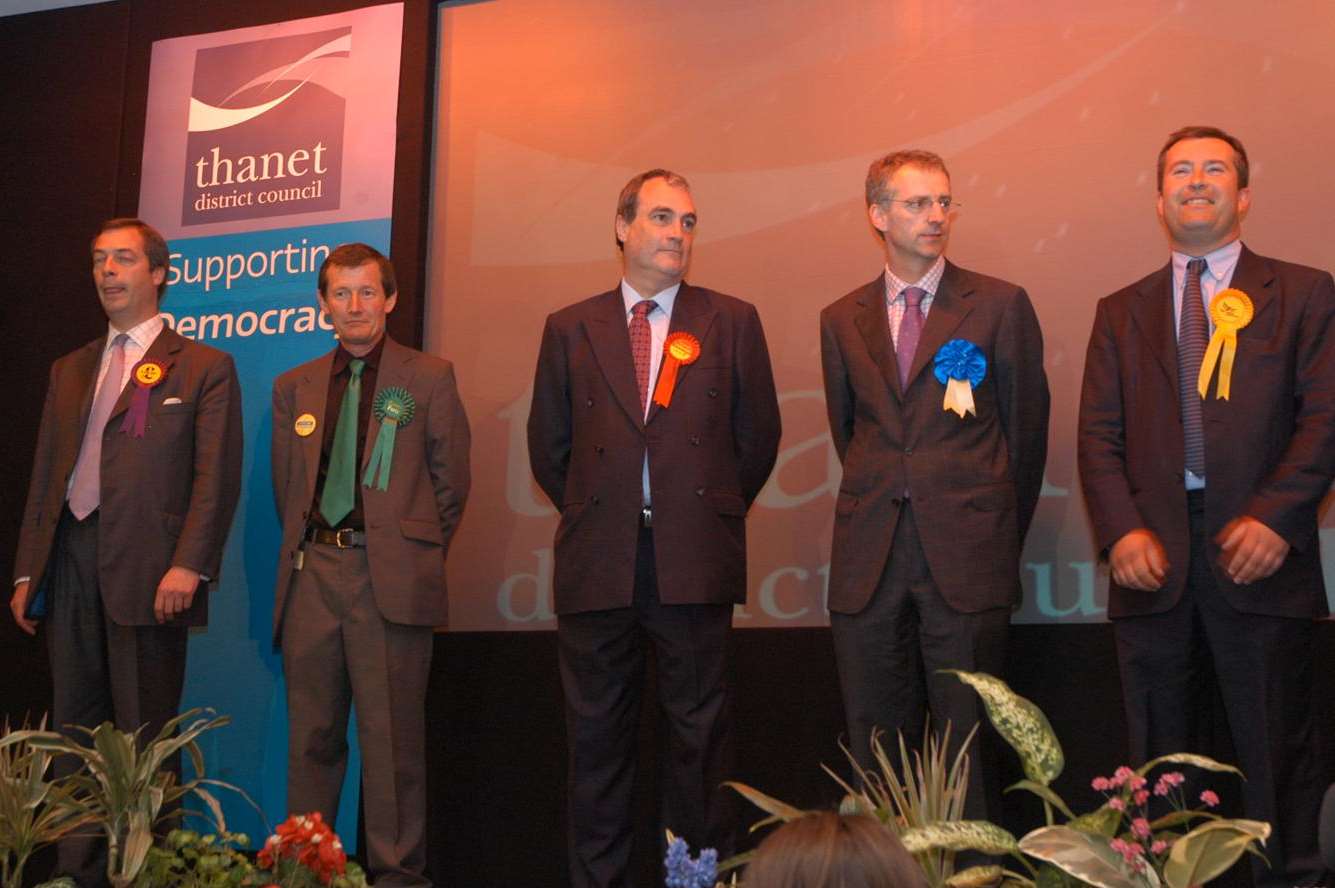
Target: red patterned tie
{"points": [[641, 346], [910, 330]]}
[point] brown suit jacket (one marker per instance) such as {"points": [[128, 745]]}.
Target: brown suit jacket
{"points": [[973, 481], [408, 526], [1269, 449], [710, 452], [167, 498]]}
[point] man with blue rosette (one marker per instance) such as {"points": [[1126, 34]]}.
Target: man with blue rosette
{"points": [[1206, 445], [370, 474], [938, 409]]}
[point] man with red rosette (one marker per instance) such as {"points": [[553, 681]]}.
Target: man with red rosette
{"points": [[653, 471], [1207, 442], [135, 478], [370, 474], [938, 408]]}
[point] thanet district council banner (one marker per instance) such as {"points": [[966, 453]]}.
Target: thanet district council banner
{"points": [[264, 148]]}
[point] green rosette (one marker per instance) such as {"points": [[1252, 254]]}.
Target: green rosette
{"points": [[394, 407]]}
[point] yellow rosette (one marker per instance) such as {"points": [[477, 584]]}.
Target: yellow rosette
{"points": [[1230, 310], [681, 348]]}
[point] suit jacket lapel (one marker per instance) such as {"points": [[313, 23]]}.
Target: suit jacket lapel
{"points": [[950, 305], [310, 396], [610, 340], [873, 322], [163, 350], [691, 313], [1254, 276], [395, 371], [1153, 315]]}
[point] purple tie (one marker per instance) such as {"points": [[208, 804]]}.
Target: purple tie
{"points": [[1191, 337], [910, 330], [86, 490], [641, 345]]}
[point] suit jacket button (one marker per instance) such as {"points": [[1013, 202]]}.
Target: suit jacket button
{"points": [[597, 448], [589, 402], [894, 500], [699, 491], [695, 440], [908, 451], [713, 393], [594, 500]]}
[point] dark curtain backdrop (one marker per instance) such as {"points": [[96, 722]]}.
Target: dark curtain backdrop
{"points": [[76, 80]]}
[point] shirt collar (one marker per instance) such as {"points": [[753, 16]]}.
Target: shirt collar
{"points": [[141, 334], [664, 298], [1219, 263], [372, 358], [894, 286]]}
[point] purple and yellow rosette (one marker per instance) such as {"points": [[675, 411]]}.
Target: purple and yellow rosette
{"points": [[146, 376], [394, 407], [1230, 310], [959, 366]]}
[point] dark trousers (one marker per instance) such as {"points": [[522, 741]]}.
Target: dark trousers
{"points": [[602, 659], [102, 671], [1170, 663], [889, 655], [338, 651]]}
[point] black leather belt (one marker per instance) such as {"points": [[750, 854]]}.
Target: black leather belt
{"points": [[347, 538]]}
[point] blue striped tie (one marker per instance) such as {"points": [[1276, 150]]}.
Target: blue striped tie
{"points": [[1191, 338]]}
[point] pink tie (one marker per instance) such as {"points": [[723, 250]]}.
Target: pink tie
{"points": [[641, 345], [910, 329], [86, 491]]}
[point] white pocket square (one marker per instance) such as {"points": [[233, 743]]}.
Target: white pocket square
{"points": [[167, 402]]}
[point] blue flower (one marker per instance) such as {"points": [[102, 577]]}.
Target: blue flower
{"points": [[960, 359], [683, 872]]}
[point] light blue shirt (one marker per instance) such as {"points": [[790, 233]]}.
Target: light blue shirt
{"points": [[659, 321], [1218, 275]]}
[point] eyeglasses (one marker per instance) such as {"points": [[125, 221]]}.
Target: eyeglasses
{"points": [[918, 205]]}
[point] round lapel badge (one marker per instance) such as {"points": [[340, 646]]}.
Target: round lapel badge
{"points": [[304, 425]]}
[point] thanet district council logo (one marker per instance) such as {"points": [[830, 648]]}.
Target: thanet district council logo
{"points": [[266, 128]]}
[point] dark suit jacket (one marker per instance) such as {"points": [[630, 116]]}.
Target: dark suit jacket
{"points": [[167, 498], [1269, 449], [973, 481], [710, 452], [408, 526]]}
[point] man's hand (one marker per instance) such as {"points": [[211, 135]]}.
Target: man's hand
{"points": [[18, 606], [1252, 551], [175, 593], [1138, 561]]}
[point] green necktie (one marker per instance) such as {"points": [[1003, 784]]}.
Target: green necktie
{"points": [[340, 484]]}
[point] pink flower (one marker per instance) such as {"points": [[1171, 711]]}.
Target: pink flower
{"points": [[1138, 782], [1141, 797], [1130, 851], [1140, 827], [1121, 775], [1116, 803], [1101, 784], [1209, 798], [1173, 778], [1159, 847]]}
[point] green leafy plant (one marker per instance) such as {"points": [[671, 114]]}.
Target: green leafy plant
{"points": [[186, 859], [34, 811], [1115, 846], [122, 788]]}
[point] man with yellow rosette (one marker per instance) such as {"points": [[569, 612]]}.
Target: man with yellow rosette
{"points": [[938, 409], [654, 425], [1207, 441], [370, 474], [135, 479]]}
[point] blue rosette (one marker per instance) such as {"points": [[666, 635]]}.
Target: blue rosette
{"points": [[959, 365]]}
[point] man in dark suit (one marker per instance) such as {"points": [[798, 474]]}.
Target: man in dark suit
{"points": [[370, 475], [934, 503], [134, 481], [1209, 523], [653, 486]]}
